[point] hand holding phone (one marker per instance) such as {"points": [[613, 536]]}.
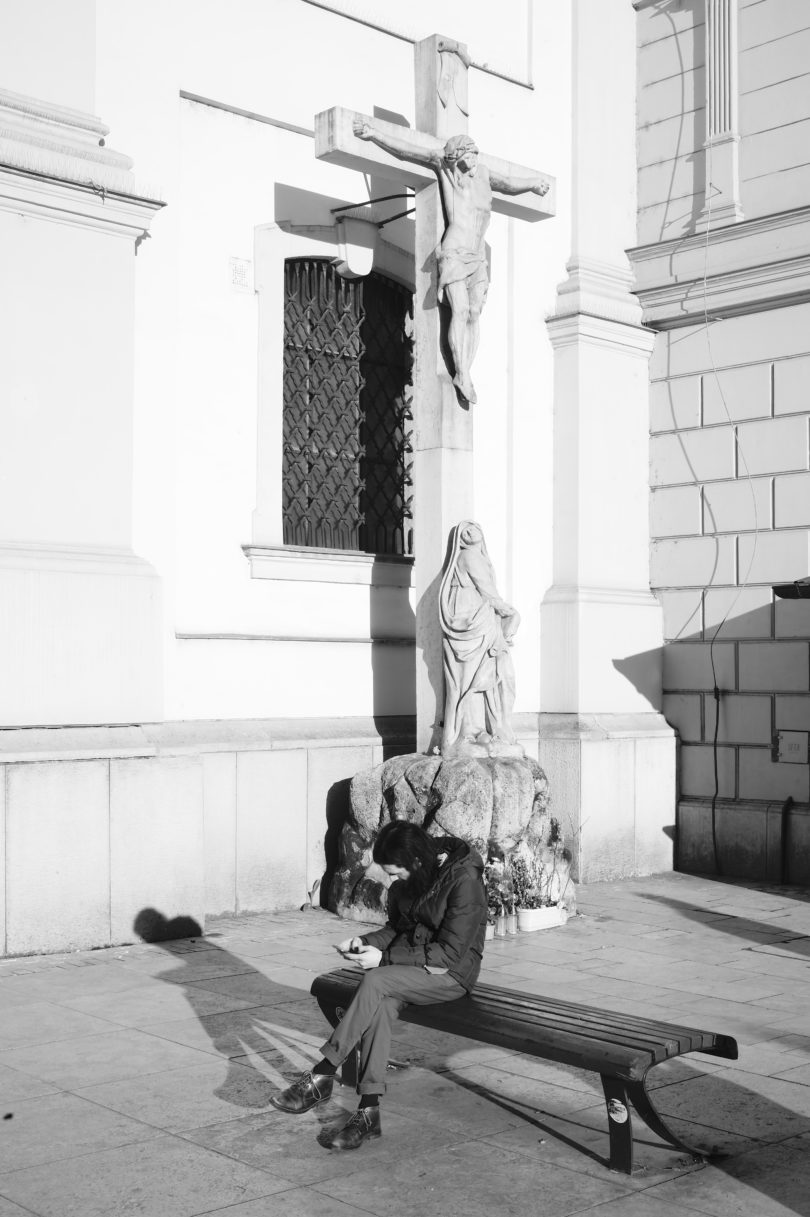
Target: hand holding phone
{"points": [[350, 946]]}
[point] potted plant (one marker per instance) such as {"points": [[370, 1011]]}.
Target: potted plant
{"points": [[537, 888], [495, 873]]}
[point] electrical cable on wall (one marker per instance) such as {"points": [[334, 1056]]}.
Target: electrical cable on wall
{"points": [[741, 456]]}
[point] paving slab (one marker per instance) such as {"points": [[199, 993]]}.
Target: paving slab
{"points": [[477, 1179], [768, 1181], [287, 1145], [58, 1127], [118, 1054], [137, 1078], [166, 1177]]}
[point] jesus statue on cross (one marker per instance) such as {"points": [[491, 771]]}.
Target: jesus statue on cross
{"points": [[466, 185]]}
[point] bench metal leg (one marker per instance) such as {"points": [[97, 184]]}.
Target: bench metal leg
{"points": [[640, 1098], [620, 1125]]}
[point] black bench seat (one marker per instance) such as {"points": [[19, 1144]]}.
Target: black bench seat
{"points": [[621, 1048]]}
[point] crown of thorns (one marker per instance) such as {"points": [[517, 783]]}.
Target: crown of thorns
{"points": [[457, 146]]}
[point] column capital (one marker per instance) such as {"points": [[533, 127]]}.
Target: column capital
{"points": [[574, 328]]}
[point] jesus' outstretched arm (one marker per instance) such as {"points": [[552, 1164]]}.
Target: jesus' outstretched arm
{"points": [[506, 184], [405, 149]]}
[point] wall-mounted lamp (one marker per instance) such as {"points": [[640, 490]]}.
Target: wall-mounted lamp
{"points": [[356, 239], [799, 589], [357, 234]]}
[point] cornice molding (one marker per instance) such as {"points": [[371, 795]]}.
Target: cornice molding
{"points": [[598, 289], [46, 148], [741, 268], [310, 565], [581, 328], [626, 597], [33, 556], [68, 202]]}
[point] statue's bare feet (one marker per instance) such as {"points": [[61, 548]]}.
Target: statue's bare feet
{"points": [[465, 389]]}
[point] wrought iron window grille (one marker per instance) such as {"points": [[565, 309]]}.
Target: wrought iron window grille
{"points": [[347, 451]]}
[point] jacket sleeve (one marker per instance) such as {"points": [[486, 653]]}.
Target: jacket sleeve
{"points": [[466, 908], [381, 938], [386, 934]]}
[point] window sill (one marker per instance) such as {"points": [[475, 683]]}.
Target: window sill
{"points": [[310, 565]]}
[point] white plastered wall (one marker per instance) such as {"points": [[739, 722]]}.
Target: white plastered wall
{"points": [[202, 418]]}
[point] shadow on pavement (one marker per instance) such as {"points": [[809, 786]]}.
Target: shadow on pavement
{"points": [[761, 933], [747, 1137], [266, 1042]]}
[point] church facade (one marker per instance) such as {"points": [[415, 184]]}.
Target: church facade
{"points": [[215, 486]]}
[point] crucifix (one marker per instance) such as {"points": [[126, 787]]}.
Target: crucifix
{"points": [[454, 184]]}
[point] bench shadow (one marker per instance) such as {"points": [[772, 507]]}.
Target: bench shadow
{"points": [[266, 1043], [514, 1107], [774, 1165]]}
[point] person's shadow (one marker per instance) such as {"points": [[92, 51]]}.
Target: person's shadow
{"points": [[265, 1043]]}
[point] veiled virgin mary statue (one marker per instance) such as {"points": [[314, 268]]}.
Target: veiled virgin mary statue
{"points": [[478, 627]]}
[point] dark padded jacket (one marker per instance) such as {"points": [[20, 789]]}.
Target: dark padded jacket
{"points": [[445, 927]]}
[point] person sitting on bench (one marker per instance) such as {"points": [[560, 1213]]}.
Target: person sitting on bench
{"points": [[429, 951]]}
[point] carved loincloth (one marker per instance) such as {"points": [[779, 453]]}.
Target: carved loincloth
{"points": [[464, 265]]}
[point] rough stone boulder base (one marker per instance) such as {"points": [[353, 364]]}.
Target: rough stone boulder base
{"points": [[465, 792], [517, 785], [408, 788], [499, 800]]}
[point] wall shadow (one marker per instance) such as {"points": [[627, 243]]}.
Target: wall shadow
{"points": [[760, 933]]}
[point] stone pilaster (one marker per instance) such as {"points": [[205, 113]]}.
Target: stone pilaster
{"points": [[80, 612], [722, 180], [607, 751]]}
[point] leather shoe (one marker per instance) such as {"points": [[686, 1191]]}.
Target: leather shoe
{"points": [[364, 1124], [306, 1092]]}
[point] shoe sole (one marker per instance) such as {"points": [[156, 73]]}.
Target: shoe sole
{"points": [[299, 1111], [372, 1136]]}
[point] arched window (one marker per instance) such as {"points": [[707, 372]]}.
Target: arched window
{"points": [[347, 410]]}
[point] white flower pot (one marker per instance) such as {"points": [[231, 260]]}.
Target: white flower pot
{"points": [[541, 919]]}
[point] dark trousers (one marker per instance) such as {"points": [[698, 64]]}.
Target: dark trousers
{"points": [[370, 1017]]}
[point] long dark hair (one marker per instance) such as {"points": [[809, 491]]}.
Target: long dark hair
{"points": [[401, 843]]}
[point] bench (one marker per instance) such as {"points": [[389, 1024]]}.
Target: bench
{"points": [[621, 1048]]}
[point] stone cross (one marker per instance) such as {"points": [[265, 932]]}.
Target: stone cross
{"points": [[443, 435]]}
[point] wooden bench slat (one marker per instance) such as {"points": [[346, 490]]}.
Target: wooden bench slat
{"points": [[626, 1025], [621, 1019], [584, 1033], [585, 1051]]}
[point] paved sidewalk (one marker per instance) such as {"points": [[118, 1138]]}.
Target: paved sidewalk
{"points": [[135, 1080]]}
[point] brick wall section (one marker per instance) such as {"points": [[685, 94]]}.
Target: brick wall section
{"points": [[730, 516]]}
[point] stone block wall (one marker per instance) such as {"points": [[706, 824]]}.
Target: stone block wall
{"points": [[729, 295], [730, 517]]}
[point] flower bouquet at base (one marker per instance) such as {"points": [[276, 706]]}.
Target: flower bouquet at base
{"points": [[539, 881]]}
